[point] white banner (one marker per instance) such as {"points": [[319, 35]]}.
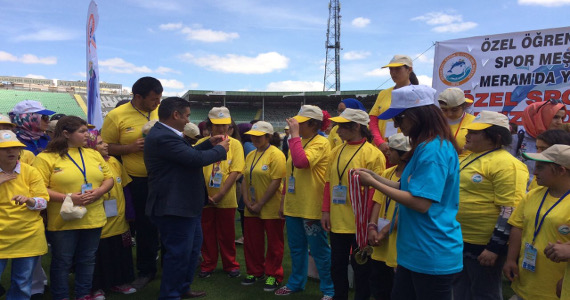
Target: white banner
{"points": [[94, 114], [506, 72]]}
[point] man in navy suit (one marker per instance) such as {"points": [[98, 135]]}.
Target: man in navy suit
{"points": [[177, 194]]}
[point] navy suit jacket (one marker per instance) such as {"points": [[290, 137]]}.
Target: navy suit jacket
{"points": [[175, 180]]}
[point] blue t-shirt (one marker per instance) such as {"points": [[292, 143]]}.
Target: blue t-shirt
{"points": [[431, 242], [36, 146]]}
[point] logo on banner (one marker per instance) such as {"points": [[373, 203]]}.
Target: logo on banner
{"points": [[457, 69]]}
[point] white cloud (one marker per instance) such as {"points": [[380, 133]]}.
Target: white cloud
{"points": [[28, 59], [208, 35], [444, 22], [232, 63], [51, 34], [193, 85], [35, 76], [119, 65], [294, 86], [360, 22], [81, 74], [354, 55], [171, 83], [164, 70], [425, 80], [547, 3], [170, 26], [172, 93], [378, 72], [423, 58], [455, 27]]}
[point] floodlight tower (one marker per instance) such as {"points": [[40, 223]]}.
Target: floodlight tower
{"points": [[332, 62]]}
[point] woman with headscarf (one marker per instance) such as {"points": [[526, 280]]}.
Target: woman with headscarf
{"points": [[32, 120], [333, 137]]}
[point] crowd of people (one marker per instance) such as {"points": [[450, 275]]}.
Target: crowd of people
{"points": [[442, 209]]}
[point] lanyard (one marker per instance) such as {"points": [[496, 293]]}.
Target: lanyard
{"points": [[140, 112], [348, 163], [292, 165], [255, 164], [84, 170], [459, 127], [476, 158], [388, 199], [537, 229]]}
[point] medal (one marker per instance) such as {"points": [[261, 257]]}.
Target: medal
{"points": [[359, 199]]}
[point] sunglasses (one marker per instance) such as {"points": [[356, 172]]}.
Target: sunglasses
{"points": [[398, 119], [552, 101], [45, 118]]}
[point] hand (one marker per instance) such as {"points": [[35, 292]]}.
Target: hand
{"points": [[216, 139], [511, 270], [326, 221], [214, 200], [19, 199], [77, 199], [366, 179], [293, 127], [487, 258], [384, 147], [255, 208], [373, 237], [226, 144], [557, 252], [6, 177], [137, 145]]}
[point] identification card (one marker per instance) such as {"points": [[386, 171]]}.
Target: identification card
{"points": [[529, 260], [216, 180], [86, 187], [291, 185], [382, 223], [110, 208], [252, 193], [339, 193]]}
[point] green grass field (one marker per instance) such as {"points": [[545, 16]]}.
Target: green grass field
{"points": [[219, 286]]}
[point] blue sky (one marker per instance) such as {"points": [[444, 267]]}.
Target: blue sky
{"points": [[248, 45]]}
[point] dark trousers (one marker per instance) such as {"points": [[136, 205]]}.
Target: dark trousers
{"points": [[477, 282], [410, 285], [341, 243], [146, 232], [381, 280], [182, 239]]}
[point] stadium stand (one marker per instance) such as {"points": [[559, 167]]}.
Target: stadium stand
{"points": [[60, 102]]}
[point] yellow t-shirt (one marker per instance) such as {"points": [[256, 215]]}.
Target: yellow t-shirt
{"points": [[21, 229], [386, 252], [565, 295], [533, 184], [369, 157], [307, 200], [118, 224], [62, 175], [264, 168], [494, 180], [333, 137], [540, 284], [27, 157], [234, 163], [381, 105], [460, 133], [123, 125]]}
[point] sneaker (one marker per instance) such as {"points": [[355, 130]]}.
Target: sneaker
{"points": [[124, 289], [251, 279], [98, 295], [283, 291], [239, 241], [204, 274], [234, 273], [271, 284], [327, 297], [141, 282]]}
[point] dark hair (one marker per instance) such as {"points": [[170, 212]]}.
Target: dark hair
{"points": [[274, 139], [364, 131], [413, 78], [315, 124], [169, 105], [145, 85], [243, 128], [500, 136], [235, 134], [58, 144], [121, 102], [428, 122], [56, 117], [555, 136]]}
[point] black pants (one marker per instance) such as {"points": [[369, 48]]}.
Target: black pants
{"points": [[341, 243], [410, 285], [381, 280], [146, 231]]}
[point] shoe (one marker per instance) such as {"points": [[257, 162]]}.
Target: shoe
{"points": [[327, 297], [283, 291], [271, 284], [141, 282], [250, 279], [124, 289], [204, 274], [239, 241], [234, 273], [193, 294], [98, 295]]}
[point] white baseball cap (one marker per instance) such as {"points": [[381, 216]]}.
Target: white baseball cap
{"points": [[453, 97], [260, 128], [558, 154], [400, 142], [407, 97], [31, 106], [309, 112], [352, 115], [191, 130], [220, 116]]}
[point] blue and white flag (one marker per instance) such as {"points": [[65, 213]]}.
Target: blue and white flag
{"points": [[94, 114]]}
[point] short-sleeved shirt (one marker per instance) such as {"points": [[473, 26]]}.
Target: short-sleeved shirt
{"points": [[60, 174], [386, 252], [234, 162], [123, 125], [381, 105], [21, 229], [459, 132], [487, 183], [307, 199], [566, 283], [27, 157], [431, 242], [334, 138], [262, 167], [540, 284], [118, 224], [364, 155]]}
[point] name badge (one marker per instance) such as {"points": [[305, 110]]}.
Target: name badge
{"points": [[252, 193], [110, 208], [216, 180], [339, 193], [86, 187], [382, 223], [291, 185], [529, 260]]}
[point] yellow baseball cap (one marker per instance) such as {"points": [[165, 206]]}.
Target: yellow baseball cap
{"points": [[308, 112], [486, 119], [220, 115], [8, 139], [261, 128], [452, 97], [399, 60], [558, 154], [6, 120], [352, 115]]}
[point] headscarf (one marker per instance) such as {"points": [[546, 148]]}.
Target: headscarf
{"points": [[353, 103], [243, 128], [28, 126], [537, 117], [202, 127], [92, 140]]}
